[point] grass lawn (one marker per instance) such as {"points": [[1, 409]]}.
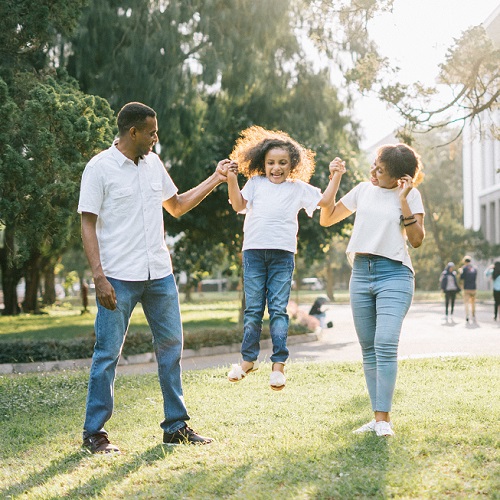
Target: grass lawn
{"points": [[66, 321], [206, 311], [294, 444]]}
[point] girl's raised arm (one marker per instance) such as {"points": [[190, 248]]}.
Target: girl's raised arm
{"points": [[237, 201], [332, 212]]}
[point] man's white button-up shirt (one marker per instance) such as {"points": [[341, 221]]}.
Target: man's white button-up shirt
{"points": [[127, 199]]}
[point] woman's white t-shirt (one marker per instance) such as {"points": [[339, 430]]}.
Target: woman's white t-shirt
{"points": [[377, 226], [271, 212]]}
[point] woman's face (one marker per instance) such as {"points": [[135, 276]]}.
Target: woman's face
{"points": [[380, 177], [277, 164]]}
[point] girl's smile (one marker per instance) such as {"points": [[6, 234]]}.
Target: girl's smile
{"points": [[277, 164]]}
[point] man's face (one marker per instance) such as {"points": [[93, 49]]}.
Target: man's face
{"points": [[146, 136]]}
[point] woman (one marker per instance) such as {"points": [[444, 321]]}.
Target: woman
{"points": [[389, 212], [449, 285]]}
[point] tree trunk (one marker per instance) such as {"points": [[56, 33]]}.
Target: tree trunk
{"points": [[241, 315], [188, 289], [434, 226], [32, 276], [49, 286], [10, 275], [329, 276]]}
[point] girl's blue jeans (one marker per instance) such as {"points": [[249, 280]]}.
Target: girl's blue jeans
{"points": [[381, 292], [160, 302], [267, 277]]}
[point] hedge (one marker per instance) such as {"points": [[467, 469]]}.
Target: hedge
{"points": [[26, 351]]}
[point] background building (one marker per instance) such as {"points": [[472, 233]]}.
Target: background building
{"points": [[481, 162]]}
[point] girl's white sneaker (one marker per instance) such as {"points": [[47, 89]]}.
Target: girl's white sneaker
{"points": [[277, 381]]}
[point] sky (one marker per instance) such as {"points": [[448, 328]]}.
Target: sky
{"points": [[415, 37]]}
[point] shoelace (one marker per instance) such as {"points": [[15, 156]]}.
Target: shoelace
{"points": [[99, 441]]}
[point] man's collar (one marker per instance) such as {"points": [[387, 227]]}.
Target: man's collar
{"points": [[119, 156]]}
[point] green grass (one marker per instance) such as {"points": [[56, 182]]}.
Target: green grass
{"points": [[294, 444], [206, 311], [65, 321]]}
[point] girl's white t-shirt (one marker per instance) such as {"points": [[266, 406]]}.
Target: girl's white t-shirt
{"points": [[271, 212], [377, 227]]}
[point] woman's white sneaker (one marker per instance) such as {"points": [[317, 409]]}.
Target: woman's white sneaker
{"points": [[383, 428], [369, 427]]}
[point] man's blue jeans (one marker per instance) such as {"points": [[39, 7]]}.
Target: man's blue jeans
{"points": [[267, 276], [160, 302], [381, 292]]}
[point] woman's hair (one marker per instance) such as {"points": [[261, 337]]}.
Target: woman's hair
{"points": [[254, 143], [133, 114], [496, 270], [399, 160]]}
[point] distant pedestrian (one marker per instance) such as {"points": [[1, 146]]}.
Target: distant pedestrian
{"points": [[277, 169], [493, 272], [389, 213], [449, 285], [317, 311], [468, 275]]}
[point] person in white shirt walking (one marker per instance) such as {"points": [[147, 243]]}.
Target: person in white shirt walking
{"points": [[278, 170], [389, 212], [123, 192]]}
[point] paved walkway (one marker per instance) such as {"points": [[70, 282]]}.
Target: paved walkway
{"points": [[425, 333]]}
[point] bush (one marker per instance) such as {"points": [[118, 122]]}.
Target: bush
{"points": [[26, 351]]}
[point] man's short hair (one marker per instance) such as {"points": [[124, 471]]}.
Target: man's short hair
{"points": [[133, 114]]}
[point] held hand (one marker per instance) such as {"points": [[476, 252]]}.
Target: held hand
{"points": [[405, 186], [233, 169], [337, 165], [222, 170], [105, 293]]}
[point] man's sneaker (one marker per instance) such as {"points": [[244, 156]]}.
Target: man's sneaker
{"points": [[383, 428], [369, 427], [186, 435], [99, 443]]}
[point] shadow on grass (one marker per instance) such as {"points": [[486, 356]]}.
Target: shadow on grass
{"points": [[95, 485], [63, 465]]}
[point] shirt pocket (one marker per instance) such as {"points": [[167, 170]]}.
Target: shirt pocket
{"points": [[156, 192], [121, 199]]}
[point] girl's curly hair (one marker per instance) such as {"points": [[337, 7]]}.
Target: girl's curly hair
{"points": [[401, 159], [251, 148]]}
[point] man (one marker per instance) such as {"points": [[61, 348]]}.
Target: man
{"points": [[122, 193], [468, 274]]}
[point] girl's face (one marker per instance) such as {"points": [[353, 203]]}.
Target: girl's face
{"points": [[277, 164], [380, 177]]}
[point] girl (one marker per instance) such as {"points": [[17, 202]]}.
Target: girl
{"points": [[389, 212], [277, 169], [450, 287]]}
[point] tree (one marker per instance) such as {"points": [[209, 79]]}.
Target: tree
{"points": [[58, 130], [49, 128], [470, 75], [213, 68], [446, 239]]}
